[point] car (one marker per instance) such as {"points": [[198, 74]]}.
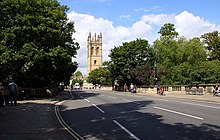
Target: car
{"points": [[76, 86]]}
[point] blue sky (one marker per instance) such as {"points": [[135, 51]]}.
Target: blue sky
{"points": [[126, 20], [114, 9]]}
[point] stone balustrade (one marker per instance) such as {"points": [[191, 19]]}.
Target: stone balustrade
{"points": [[173, 89]]}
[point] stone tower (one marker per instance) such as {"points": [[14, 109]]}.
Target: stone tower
{"points": [[94, 51]]}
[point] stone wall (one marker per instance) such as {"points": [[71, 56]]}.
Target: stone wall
{"points": [[173, 89]]}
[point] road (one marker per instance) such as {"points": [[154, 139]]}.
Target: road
{"points": [[122, 116]]}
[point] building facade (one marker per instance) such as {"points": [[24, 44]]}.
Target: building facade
{"points": [[94, 51]]}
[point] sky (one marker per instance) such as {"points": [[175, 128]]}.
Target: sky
{"points": [[126, 20]]}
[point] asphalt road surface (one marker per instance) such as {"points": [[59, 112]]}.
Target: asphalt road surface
{"points": [[122, 116]]}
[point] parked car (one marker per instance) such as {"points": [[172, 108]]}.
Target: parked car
{"points": [[76, 86]]}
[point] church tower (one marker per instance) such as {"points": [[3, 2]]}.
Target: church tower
{"points": [[94, 51]]}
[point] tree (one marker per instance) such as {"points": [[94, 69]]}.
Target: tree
{"points": [[168, 55], [208, 72], [141, 75], [78, 74], [177, 60], [128, 56], [212, 41], [168, 30], [36, 42], [100, 76], [194, 52], [77, 77]]}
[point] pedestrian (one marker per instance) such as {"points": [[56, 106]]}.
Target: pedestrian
{"points": [[13, 91], [125, 87], [131, 87], [158, 88], [161, 91]]}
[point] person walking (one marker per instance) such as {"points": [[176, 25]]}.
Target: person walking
{"points": [[13, 91], [158, 88]]}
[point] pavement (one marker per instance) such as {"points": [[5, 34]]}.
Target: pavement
{"points": [[36, 119], [32, 119]]}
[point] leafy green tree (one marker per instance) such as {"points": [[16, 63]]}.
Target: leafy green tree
{"points": [[141, 75], [100, 76], [128, 56], [168, 55], [168, 30], [77, 77], [194, 52], [212, 41], [78, 74], [177, 60], [208, 72], [36, 44]]}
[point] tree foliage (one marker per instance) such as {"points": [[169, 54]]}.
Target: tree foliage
{"points": [[100, 76], [141, 75], [178, 59], [78, 74], [129, 56], [212, 41], [168, 30], [36, 44]]}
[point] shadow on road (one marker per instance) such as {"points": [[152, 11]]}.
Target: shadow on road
{"points": [[90, 123], [86, 94]]}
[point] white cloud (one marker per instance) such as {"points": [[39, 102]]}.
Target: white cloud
{"points": [[147, 27], [190, 26], [112, 36], [159, 19]]}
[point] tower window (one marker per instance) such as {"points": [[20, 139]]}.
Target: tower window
{"points": [[97, 50], [92, 50], [95, 62]]}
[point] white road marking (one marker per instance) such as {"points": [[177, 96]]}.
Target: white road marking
{"points": [[131, 101], [112, 97], [98, 108], [201, 105], [80, 96], [93, 105], [172, 111], [87, 100], [126, 130]]}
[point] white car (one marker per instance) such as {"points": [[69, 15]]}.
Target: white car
{"points": [[77, 86]]}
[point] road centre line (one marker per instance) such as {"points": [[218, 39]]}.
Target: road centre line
{"points": [[201, 105], [126, 130], [93, 104], [87, 100], [183, 114], [98, 108]]}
